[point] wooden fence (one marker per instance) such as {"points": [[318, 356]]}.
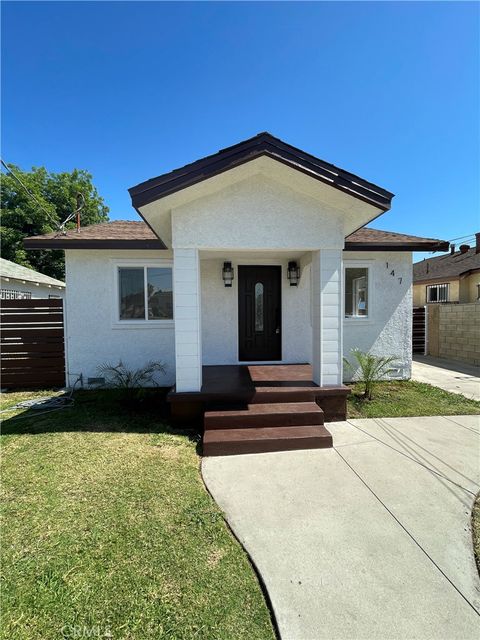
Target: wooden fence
{"points": [[418, 330], [32, 343]]}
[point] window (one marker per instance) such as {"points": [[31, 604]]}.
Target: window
{"points": [[145, 293], [478, 291], [437, 292], [356, 292]]}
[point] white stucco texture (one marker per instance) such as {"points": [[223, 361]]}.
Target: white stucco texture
{"points": [[220, 312], [269, 188], [388, 330], [93, 337]]}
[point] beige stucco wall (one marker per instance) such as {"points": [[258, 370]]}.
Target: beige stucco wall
{"points": [[420, 291], [468, 288]]}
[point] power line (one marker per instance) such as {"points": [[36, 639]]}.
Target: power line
{"points": [[472, 235], [30, 194]]}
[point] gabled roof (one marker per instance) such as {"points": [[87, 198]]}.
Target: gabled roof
{"points": [[123, 234], [451, 265], [263, 144], [15, 271]]}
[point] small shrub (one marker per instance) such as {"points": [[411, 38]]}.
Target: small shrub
{"points": [[131, 382], [372, 369]]}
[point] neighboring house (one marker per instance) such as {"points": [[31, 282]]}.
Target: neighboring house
{"points": [[454, 277], [256, 254], [18, 282]]}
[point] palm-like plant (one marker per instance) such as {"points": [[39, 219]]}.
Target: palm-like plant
{"points": [[372, 369], [120, 377]]}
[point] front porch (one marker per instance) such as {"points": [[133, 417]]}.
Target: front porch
{"points": [[258, 408]]}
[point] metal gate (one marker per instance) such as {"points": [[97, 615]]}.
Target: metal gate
{"points": [[419, 332], [32, 343]]}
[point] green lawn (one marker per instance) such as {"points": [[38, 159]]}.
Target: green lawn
{"points": [[408, 398], [108, 529]]}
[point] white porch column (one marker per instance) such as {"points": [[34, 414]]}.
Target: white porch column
{"points": [[327, 320], [188, 334]]}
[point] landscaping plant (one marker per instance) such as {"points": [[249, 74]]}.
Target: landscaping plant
{"points": [[372, 369], [131, 382]]}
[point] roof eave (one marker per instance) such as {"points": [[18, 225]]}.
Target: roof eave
{"points": [[64, 243], [396, 246]]}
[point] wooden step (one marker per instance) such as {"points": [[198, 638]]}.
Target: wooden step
{"points": [[284, 414], [283, 394], [227, 442]]}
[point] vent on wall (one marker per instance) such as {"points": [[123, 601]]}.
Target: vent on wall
{"points": [[95, 382]]}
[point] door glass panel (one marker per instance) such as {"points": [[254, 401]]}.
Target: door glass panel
{"points": [[259, 306]]}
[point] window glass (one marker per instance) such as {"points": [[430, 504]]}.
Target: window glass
{"points": [[159, 291], [356, 292], [132, 293], [258, 306], [437, 292]]}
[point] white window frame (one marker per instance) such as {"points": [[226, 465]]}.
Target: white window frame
{"points": [[436, 285], [136, 323], [359, 264]]}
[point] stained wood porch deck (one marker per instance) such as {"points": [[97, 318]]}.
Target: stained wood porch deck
{"points": [[258, 408]]}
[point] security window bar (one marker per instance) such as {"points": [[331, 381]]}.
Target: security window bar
{"points": [[438, 292], [145, 293]]}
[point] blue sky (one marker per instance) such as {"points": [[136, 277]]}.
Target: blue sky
{"points": [[389, 91]]}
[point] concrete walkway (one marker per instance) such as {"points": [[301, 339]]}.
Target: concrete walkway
{"points": [[448, 375], [368, 540]]}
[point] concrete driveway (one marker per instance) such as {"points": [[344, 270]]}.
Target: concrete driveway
{"points": [[448, 375], [368, 540]]}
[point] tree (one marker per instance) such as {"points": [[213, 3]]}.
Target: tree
{"points": [[54, 199]]}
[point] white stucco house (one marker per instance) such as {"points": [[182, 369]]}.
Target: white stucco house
{"points": [[19, 282], [256, 255]]}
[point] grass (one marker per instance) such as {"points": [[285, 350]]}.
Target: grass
{"points": [[108, 530], [408, 398]]}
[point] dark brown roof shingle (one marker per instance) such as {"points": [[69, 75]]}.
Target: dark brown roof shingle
{"points": [[127, 234], [117, 234], [390, 240]]}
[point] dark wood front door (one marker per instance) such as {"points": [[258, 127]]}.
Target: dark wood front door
{"points": [[259, 313]]}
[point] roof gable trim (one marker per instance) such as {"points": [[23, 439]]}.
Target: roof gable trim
{"points": [[262, 145]]}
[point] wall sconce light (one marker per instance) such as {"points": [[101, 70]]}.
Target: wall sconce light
{"points": [[293, 273], [227, 274]]}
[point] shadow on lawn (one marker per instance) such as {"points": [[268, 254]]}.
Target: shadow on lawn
{"points": [[106, 410]]}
